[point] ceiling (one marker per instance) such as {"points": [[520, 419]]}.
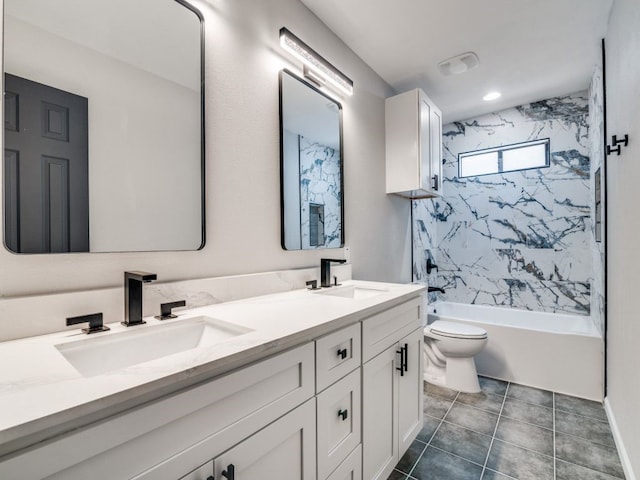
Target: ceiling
{"points": [[528, 49]]}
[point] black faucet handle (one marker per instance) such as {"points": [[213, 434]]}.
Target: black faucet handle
{"points": [[94, 320], [165, 309], [431, 266], [312, 284]]}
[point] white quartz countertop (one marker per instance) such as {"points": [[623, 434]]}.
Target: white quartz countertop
{"points": [[42, 395]]}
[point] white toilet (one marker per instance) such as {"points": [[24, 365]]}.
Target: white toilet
{"points": [[449, 348]]}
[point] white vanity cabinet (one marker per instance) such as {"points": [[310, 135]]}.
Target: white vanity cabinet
{"points": [[413, 129], [343, 406], [392, 406]]}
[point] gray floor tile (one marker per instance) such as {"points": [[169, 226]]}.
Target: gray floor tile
{"points": [[485, 401], [570, 471], [460, 441], [435, 406], [396, 475], [519, 463], [478, 420], [525, 435], [429, 426], [491, 475], [438, 465], [528, 412], [410, 457], [591, 455], [491, 385], [441, 392], [584, 427], [581, 406], [531, 395]]}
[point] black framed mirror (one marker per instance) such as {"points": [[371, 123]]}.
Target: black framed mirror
{"points": [[311, 166], [104, 134]]}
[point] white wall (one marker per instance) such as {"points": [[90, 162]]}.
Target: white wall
{"points": [[243, 58], [623, 116]]}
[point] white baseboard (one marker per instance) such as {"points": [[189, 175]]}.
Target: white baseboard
{"points": [[624, 457]]}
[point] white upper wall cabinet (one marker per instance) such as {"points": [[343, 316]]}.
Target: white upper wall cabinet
{"points": [[413, 145]]}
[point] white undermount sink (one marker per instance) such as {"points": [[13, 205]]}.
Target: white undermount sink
{"points": [[352, 291], [114, 351]]}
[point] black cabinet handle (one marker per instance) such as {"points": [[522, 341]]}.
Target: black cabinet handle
{"points": [[342, 353], [401, 367], [230, 472], [210, 477], [406, 357], [343, 414]]}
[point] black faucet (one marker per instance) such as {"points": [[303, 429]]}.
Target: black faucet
{"points": [[435, 289], [325, 270], [133, 296]]}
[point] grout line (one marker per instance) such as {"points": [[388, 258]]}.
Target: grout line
{"points": [[493, 437], [500, 473], [433, 435], [553, 397]]}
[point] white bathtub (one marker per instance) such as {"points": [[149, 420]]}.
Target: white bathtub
{"points": [[563, 353]]}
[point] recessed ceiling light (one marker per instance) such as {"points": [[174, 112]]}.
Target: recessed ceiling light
{"points": [[491, 96]]}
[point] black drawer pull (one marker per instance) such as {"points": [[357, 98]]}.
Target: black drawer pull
{"points": [[406, 357], [343, 414], [401, 367], [342, 353], [230, 472]]}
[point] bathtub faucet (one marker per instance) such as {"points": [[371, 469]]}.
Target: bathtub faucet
{"points": [[435, 289]]}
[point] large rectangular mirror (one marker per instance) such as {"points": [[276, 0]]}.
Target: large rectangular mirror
{"points": [[310, 166], [103, 138]]}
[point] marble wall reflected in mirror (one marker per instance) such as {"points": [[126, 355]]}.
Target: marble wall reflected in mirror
{"points": [[311, 162], [137, 69]]}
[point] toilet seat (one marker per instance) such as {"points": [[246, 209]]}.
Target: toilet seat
{"points": [[456, 330]]}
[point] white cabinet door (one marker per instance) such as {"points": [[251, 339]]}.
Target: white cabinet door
{"points": [[286, 449], [392, 405], [435, 157], [379, 404], [410, 392]]}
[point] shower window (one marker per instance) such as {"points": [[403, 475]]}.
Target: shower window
{"points": [[507, 158]]}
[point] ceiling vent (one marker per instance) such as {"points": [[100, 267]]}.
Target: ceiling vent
{"points": [[458, 64]]}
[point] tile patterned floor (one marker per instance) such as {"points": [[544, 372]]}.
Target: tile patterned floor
{"points": [[510, 431]]}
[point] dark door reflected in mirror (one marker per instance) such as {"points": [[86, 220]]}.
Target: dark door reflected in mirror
{"points": [[103, 126], [311, 166]]}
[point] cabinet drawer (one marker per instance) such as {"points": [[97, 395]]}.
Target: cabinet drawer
{"points": [[381, 331], [336, 355], [338, 425], [351, 468], [205, 472], [176, 433]]}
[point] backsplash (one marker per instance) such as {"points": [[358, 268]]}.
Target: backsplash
{"points": [[41, 314], [519, 239]]}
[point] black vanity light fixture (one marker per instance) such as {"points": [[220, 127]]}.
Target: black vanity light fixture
{"points": [[316, 68]]}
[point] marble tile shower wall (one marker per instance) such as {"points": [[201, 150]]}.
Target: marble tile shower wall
{"points": [[596, 144], [319, 175], [520, 239]]}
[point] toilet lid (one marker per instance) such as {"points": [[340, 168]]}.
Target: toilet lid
{"points": [[457, 330]]}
